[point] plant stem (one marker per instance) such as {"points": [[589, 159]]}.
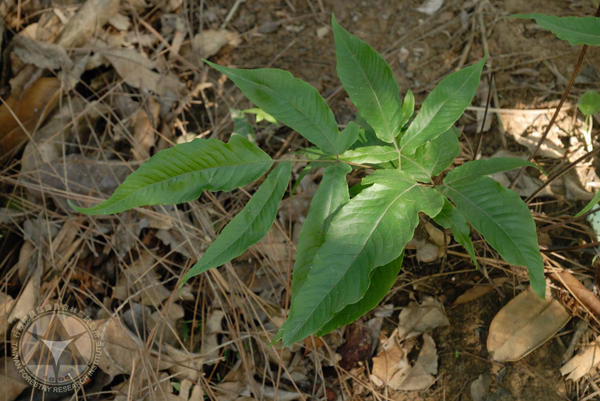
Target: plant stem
{"points": [[562, 101], [561, 173]]}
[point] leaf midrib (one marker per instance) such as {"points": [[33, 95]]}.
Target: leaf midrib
{"points": [[274, 93], [249, 227], [475, 205], [196, 171], [448, 98], [561, 30], [379, 106], [378, 221]]}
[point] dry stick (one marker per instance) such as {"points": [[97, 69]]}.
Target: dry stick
{"points": [[562, 101], [492, 85], [485, 113], [561, 173]]}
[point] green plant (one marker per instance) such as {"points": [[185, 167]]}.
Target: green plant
{"points": [[351, 247], [589, 104]]}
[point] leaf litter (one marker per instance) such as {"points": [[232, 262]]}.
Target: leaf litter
{"points": [[110, 84]]}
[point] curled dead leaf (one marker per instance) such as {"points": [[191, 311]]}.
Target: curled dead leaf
{"points": [[19, 115], [582, 363]]}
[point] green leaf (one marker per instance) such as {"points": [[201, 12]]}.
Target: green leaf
{"points": [[370, 154], [433, 157], [369, 82], [590, 205], [576, 30], [450, 218], [503, 219], [331, 194], [477, 168], [589, 103], [444, 105], [181, 173], [248, 226], [408, 108], [370, 230], [290, 100], [367, 136], [381, 281], [350, 134], [261, 115]]}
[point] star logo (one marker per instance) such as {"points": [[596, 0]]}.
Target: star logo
{"points": [[56, 348]]}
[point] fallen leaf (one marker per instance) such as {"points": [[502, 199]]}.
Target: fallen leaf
{"points": [[143, 131], [582, 363], [88, 20], [481, 387], [478, 291], [421, 374], [416, 318], [11, 381], [210, 344], [122, 350], [41, 54], [30, 109], [524, 324], [76, 174], [429, 7], [27, 300], [137, 71], [357, 346], [141, 278], [392, 368], [209, 42], [6, 304], [185, 365]]}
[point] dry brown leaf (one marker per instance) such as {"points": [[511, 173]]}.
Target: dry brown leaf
{"points": [[76, 174], [210, 344], [88, 20], [184, 365], [122, 350], [392, 368], [524, 324], [478, 291], [209, 42], [28, 298], [136, 70], [11, 382], [120, 22], [29, 109], [143, 131], [141, 277], [6, 304], [164, 322], [420, 375], [41, 54], [582, 363], [416, 319]]}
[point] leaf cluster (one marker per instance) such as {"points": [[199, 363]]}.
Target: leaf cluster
{"points": [[352, 244]]}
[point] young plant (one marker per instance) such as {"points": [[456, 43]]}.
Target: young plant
{"points": [[351, 247]]}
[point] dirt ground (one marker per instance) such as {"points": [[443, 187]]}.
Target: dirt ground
{"points": [[236, 308]]}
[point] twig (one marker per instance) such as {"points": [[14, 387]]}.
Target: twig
{"points": [[491, 86], [587, 298], [553, 119], [231, 13], [561, 173]]}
